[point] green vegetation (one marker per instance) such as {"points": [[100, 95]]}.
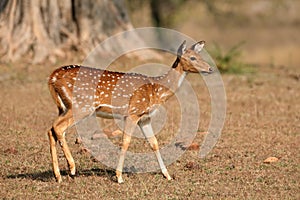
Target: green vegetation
{"points": [[229, 61]]}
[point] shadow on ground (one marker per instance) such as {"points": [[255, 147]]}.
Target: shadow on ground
{"points": [[47, 176]]}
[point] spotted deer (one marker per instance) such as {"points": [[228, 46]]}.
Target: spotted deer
{"points": [[128, 96]]}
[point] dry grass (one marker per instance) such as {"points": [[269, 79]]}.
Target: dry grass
{"points": [[262, 121]]}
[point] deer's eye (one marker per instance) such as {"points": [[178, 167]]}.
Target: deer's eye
{"points": [[192, 58]]}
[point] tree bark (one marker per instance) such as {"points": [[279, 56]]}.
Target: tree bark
{"points": [[45, 29]]}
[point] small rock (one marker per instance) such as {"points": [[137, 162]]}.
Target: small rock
{"points": [[271, 160]]}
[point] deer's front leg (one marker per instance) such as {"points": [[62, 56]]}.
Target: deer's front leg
{"points": [[130, 124], [148, 133]]}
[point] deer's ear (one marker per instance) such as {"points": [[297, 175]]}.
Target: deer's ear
{"points": [[182, 49], [198, 46]]}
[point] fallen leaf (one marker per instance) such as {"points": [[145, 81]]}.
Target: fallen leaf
{"points": [[78, 140], [84, 150], [184, 146], [202, 132], [271, 160], [97, 136], [117, 133], [193, 147], [191, 165], [106, 131], [11, 150]]}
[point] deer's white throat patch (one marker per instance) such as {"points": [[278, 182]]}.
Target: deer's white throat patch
{"points": [[181, 78]]}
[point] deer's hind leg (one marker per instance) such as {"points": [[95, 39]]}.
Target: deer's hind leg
{"points": [[52, 141], [57, 133]]}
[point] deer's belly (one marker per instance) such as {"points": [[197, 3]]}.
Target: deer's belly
{"points": [[110, 112], [108, 115]]}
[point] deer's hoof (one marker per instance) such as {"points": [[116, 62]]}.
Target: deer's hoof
{"points": [[120, 180], [58, 179]]}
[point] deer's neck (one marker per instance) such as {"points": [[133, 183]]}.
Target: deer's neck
{"points": [[168, 83], [176, 75]]}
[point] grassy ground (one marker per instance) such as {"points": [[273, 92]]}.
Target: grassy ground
{"points": [[262, 121]]}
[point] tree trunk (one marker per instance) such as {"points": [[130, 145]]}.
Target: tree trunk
{"points": [[45, 29]]}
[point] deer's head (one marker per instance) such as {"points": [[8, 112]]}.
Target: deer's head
{"points": [[191, 59]]}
